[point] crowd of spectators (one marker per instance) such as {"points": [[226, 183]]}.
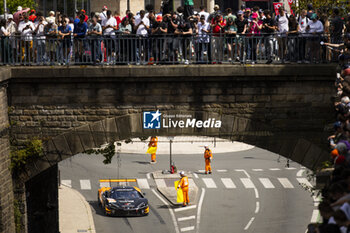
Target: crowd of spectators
{"points": [[181, 36], [335, 205]]}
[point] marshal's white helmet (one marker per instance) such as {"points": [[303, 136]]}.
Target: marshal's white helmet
{"points": [[182, 173]]}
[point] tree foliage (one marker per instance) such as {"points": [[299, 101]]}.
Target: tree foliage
{"points": [[32, 150], [324, 6], [13, 4], [108, 152]]}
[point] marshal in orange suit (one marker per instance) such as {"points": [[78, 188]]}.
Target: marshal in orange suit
{"points": [[184, 187], [208, 156], [153, 143]]}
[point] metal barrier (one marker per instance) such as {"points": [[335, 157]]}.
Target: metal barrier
{"points": [[164, 49]]}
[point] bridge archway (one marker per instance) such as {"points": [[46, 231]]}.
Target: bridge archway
{"points": [[294, 145]]}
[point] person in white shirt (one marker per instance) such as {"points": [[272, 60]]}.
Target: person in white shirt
{"points": [[109, 26], [303, 22], [103, 14], [203, 29], [141, 26], [11, 27], [51, 17], [283, 28], [26, 28], [40, 39], [313, 31], [203, 12]]}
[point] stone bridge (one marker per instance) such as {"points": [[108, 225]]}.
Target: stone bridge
{"points": [[283, 109]]}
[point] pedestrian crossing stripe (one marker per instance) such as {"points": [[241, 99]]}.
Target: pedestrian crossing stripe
{"points": [[143, 184], [209, 182], [85, 185], [228, 183], [285, 183], [247, 182], [266, 183]]}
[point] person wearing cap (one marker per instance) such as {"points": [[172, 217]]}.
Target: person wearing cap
{"points": [[26, 28], [51, 17], [314, 30], [188, 7], [153, 143], [184, 185], [159, 28], [247, 14], [214, 14], [11, 27], [83, 12], [103, 14], [208, 156], [254, 30]]}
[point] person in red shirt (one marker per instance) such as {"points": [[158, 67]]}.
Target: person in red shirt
{"points": [[83, 12], [117, 18], [218, 24]]}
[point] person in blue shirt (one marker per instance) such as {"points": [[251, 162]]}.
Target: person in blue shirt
{"points": [[79, 33], [64, 36]]}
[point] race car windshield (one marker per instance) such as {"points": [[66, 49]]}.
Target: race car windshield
{"points": [[125, 194]]}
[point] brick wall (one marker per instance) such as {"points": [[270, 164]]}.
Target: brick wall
{"points": [[6, 188]]}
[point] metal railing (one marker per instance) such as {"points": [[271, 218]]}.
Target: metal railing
{"points": [[165, 49]]}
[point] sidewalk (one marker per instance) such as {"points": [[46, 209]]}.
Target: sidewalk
{"points": [[185, 145], [74, 212]]}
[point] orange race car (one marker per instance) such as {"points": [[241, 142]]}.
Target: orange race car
{"points": [[122, 200]]}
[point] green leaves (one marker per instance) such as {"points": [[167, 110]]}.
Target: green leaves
{"points": [[33, 149], [108, 152], [13, 4]]}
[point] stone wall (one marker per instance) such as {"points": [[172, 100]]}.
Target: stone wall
{"points": [[6, 187], [288, 101]]}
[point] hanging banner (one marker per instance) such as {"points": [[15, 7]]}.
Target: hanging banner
{"points": [[290, 2], [276, 6]]}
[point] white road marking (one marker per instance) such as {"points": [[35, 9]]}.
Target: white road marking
{"points": [[257, 207], [302, 167], [160, 183], [228, 183], [148, 175], [104, 184], [201, 170], [249, 223], [258, 169], [267, 183], [67, 183], [199, 209], [143, 183], [187, 228], [186, 218], [256, 193], [247, 182], [170, 210], [314, 216], [300, 172], [290, 168], [185, 208], [209, 182], [195, 175], [274, 169], [244, 171], [85, 185], [222, 170], [285, 183], [305, 182]]}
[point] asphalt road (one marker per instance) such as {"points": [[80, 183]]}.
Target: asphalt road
{"points": [[249, 191]]}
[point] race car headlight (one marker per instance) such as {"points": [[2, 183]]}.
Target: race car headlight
{"points": [[142, 204]]}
